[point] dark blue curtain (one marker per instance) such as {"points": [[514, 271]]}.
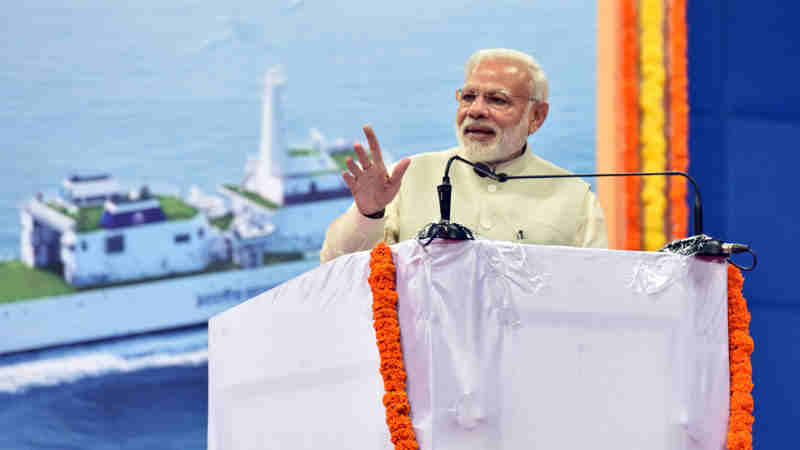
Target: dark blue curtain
{"points": [[744, 77]]}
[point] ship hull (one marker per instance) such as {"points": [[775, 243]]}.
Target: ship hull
{"points": [[123, 311]]}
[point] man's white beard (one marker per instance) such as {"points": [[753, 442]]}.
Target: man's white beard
{"points": [[506, 142]]}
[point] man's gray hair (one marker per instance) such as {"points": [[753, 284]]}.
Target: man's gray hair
{"points": [[538, 78]]}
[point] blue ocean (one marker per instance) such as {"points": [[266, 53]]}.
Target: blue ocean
{"points": [[169, 95]]}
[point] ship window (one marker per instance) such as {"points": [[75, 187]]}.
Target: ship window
{"points": [[115, 244], [181, 238]]}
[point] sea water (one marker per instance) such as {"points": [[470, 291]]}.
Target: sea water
{"points": [[141, 392], [169, 94]]}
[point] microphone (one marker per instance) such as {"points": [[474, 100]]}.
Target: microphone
{"points": [[700, 244], [703, 245], [484, 171], [444, 229]]}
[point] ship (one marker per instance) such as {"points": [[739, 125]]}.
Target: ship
{"points": [[101, 260]]}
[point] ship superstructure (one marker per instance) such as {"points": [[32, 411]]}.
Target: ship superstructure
{"points": [[95, 235], [283, 187], [282, 176]]}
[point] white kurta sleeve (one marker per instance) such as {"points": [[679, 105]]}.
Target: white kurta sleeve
{"points": [[592, 232], [353, 232]]}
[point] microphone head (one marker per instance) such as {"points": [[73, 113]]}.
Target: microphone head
{"points": [[482, 169]]}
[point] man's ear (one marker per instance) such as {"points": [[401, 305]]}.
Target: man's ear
{"points": [[536, 118]]}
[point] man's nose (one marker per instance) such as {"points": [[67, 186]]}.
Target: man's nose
{"points": [[478, 108]]}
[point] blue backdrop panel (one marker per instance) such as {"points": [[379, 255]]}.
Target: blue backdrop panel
{"points": [[763, 57], [763, 205], [775, 364], [710, 169], [745, 124]]}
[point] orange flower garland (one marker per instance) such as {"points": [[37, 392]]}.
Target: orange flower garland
{"points": [[630, 107], [740, 347], [678, 118], [653, 43], [387, 332]]}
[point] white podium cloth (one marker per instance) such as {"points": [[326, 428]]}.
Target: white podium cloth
{"points": [[506, 346]]}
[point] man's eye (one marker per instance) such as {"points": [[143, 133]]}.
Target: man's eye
{"points": [[468, 97], [498, 100]]}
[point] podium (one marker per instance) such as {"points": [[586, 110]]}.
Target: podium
{"points": [[506, 346]]}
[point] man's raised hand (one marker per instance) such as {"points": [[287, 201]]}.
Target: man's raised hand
{"points": [[371, 185]]}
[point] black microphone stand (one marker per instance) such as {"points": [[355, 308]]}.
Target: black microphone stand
{"points": [[444, 229]]}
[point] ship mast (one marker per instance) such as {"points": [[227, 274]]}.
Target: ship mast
{"points": [[267, 179]]}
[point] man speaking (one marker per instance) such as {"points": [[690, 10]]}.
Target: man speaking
{"points": [[503, 101]]}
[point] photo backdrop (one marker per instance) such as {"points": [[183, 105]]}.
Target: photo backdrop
{"points": [[169, 95]]}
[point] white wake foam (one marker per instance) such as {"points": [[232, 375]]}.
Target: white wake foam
{"points": [[17, 378]]}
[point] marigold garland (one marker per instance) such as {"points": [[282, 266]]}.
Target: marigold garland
{"points": [[630, 108], [387, 333], [740, 347], [653, 43], [678, 118], [651, 98]]}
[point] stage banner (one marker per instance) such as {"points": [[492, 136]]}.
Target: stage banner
{"points": [[506, 346]]}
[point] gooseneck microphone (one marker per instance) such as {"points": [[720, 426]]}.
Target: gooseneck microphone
{"points": [[484, 171], [698, 244], [444, 229]]}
